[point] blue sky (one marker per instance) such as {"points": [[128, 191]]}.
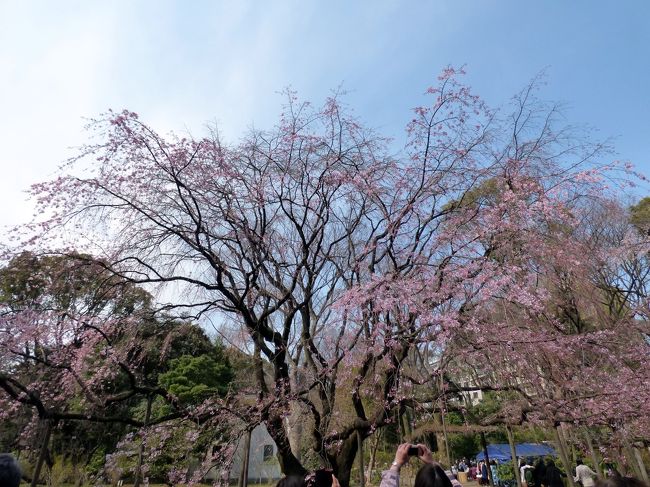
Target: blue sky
{"points": [[184, 63]]}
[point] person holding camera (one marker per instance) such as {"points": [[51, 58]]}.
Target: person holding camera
{"points": [[431, 474]]}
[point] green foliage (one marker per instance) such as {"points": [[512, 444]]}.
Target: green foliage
{"points": [[180, 445], [454, 417], [165, 351], [11, 427], [64, 471], [531, 434], [463, 445], [489, 405], [640, 215], [96, 462], [193, 379], [68, 282], [460, 445], [484, 194], [505, 471]]}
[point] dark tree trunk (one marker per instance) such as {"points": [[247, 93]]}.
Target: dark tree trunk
{"points": [[373, 455], [639, 459], [487, 459], [343, 462], [43, 452], [592, 453], [243, 474], [513, 453], [564, 456], [289, 464], [138, 470], [362, 471]]}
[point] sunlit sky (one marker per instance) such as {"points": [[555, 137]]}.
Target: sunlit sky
{"points": [[182, 64]]}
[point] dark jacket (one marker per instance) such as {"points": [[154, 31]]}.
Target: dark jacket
{"points": [[554, 477], [539, 474]]}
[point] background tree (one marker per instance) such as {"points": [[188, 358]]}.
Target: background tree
{"points": [[81, 345]]}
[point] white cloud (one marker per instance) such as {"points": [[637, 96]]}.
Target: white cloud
{"points": [[55, 67], [182, 64]]}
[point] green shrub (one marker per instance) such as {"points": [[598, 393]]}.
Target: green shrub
{"points": [[505, 472]]}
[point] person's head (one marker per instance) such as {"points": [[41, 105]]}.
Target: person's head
{"points": [[550, 462], [578, 461], [318, 478], [9, 471], [432, 475], [291, 481]]}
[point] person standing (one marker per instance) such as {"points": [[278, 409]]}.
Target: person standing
{"points": [[529, 474], [472, 471], [479, 472], [430, 474], [539, 473], [484, 473], [522, 471], [553, 475], [493, 471], [584, 474]]}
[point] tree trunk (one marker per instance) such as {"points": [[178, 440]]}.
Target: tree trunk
{"points": [[42, 453], [513, 454], [362, 470], [243, 474], [138, 468], [406, 423], [400, 422], [296, 418], [441, 437], [639, 461], [444, 426], [444, 436], [289, 464], [487, 459], [77, 472], [564, 436], [373, 454], [343, 462], [631, 459], [564, 457]]}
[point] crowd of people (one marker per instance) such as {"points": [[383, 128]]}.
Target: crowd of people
{"points": [[538, 473], [430, 474]]}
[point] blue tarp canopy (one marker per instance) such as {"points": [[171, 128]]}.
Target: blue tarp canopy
{"points": [[501, 451]]}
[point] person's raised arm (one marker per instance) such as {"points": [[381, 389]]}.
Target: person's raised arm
{"points": [[401, 456], [390, 478], [424, 453]]}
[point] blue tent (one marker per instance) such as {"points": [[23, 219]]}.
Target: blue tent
{"points": [[501, 451]]}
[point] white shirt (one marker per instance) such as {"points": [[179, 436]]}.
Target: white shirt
{"points": [[585, 475]]}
